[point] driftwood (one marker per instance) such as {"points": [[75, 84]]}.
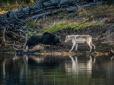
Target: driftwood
{"points": [[13, 31]]}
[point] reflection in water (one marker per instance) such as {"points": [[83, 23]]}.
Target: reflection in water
{"points": [[77, 66], [4, 68], [112, 58], [73, 71], [5, 61], [74, 66], [103, 72]]}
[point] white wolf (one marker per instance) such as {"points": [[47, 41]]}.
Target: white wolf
{"points": [[76, 39]]}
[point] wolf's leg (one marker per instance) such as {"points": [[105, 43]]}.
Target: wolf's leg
{"points": [[94, 47], [76, 47], [90, 46], [73, 45]]}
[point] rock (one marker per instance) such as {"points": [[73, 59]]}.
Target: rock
{"points": [[33, 41], [46, 39], [50, 39], [37, 47]]}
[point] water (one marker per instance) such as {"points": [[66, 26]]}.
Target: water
{"points": [[70, 71]]}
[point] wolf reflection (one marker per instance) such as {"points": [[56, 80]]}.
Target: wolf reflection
{"points": [[96, 73], [77, 67]]}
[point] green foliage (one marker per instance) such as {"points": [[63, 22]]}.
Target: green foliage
{"points": [[19, 1], [32, 27], [8, 5], [73, 26]]}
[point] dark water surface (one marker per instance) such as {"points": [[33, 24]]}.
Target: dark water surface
{"points": [[72, 71]]}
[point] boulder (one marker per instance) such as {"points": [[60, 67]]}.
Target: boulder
{"points": [[37, 47], [46, 39], [33, 41], [50, 39]]}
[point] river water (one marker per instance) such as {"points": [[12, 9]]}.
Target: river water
{"points": [[71, 71]]}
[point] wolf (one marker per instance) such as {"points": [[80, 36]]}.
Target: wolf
{"points": [[80, 39]]}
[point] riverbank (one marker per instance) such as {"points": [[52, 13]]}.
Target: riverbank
{"points": [[96, 21]]}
